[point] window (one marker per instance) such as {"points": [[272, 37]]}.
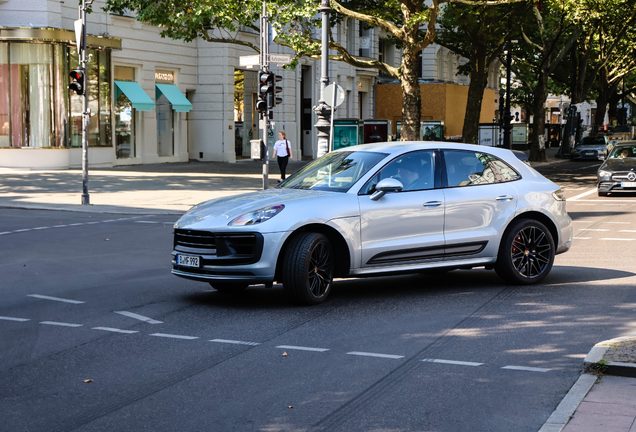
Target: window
{"points": [[125, 117], [466, 168], [365, 40], [416, 171]]}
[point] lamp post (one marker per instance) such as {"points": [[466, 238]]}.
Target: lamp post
{"points": [[507, 127], [323, 125]]}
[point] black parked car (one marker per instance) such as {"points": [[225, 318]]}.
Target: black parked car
{"points": [[618, 172]]}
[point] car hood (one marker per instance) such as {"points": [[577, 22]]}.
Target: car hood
{"points": [[616, 164], [305, 204], [589, 147]]}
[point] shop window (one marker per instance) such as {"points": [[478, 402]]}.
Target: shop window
{"points": [[125, 117]]}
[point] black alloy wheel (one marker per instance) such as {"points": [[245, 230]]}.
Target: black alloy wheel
{"points": [[308, 268], [526, 253]]}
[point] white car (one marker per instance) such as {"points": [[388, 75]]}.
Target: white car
{"points": [[379, 209]]}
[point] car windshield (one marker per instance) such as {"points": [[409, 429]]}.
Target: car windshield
{"points": [[335, 172], [621, 152], [592, 141]]}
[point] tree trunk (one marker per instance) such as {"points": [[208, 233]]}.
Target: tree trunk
{"points": [[537, 145], [601, 102], [411, 97], [478, 81]]}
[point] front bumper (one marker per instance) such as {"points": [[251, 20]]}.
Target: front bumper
{"points": [[616, 184], [260, 268]]}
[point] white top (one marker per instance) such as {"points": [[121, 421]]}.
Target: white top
{"points": [[281, 148]]}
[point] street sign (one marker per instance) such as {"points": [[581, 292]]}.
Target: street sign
{"points": [[280, 59], [250, 60], [329, 95], [78, 34]]}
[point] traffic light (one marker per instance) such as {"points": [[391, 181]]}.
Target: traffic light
{"points": [[268, 89], [261, 105], [77, 81]]}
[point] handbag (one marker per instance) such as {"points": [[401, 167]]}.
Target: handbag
{"points": [[287, 145]]}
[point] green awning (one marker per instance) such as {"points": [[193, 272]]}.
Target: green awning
{"points": [[135, 94], [178, 100]]}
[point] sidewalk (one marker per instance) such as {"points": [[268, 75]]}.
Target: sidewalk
{"points": [[142, 189], [604, 398]]}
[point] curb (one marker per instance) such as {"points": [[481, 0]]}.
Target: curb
{"points": [[592, 365], [594, 362]]}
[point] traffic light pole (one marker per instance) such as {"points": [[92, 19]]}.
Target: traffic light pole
{"points": [[323, 125], [85, 113], [264, 115]]}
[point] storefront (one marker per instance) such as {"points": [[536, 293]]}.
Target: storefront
{"points": [[38, 112]]}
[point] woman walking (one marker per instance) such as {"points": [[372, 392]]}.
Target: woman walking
{"points": [[283, 151]]}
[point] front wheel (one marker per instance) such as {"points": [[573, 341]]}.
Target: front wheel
{"points": [[308, 269], [526, 253]]}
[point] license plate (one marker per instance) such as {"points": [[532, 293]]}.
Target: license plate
{"points": [[588, 153], [188, 261], [628, 184]]}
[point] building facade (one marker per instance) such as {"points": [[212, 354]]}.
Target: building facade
{"points": [[152, 99]]}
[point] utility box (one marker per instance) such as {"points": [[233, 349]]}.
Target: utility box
{"points": [[376, 130], [257, 148], [347, 133], [488, 134]]}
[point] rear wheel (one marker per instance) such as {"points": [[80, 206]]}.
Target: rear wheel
{"points": [[526, 253], [228, 287], [308, 269]]}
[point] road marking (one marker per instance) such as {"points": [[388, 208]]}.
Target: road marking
{"points": [[109, 220], [114, 330], [59, 226], [582, 238], [618, 239], [620, 223], [6, 232], [584, 194], [61, 324], [592, 229], [41, 228], [603, 201], [174, 336], [366, 354], [92, 223], [139, 317], [453, 362], [55, 299], [150, 222], [630, 231], [76, 224], [583, 221], [13, 319], [22, 230], [234, 342], [528, 369], [299, 348]]}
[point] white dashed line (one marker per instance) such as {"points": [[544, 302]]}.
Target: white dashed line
{"points": [[235, 342], [59, 226], [139, 317], [584, 194], [592, 229], [41, 228], [114, 330], [6, 232], [109, 220], [55, 299], [165, 335], [452, 362], [629, 231], [13, 319], [584, 221], [618, 223], [149, 222], [22, 230], [92, 223], [617, 239], [582, 238], [299, 348], [61, 324], [528, 369], [366, 354], [76, 224]]}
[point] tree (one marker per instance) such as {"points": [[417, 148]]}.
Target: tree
{"points": [[477, 33]]}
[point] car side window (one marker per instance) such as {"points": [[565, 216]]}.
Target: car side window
{"points": [[415, 170], [466, 168]]}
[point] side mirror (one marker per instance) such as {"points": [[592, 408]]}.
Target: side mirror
{"points": [[384, 186]]}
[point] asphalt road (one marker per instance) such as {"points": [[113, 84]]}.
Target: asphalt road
{"points": [[97, 335]]}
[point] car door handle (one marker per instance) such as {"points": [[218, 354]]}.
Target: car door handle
{"points": [[433, 204], [504, 198]]}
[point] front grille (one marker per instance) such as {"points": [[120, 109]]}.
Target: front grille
{"points": [[621, 177], [217, 249]]}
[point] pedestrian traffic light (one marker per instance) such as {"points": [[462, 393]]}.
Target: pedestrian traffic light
{"points": [[268, 88], [77, 81], [261, 105]]}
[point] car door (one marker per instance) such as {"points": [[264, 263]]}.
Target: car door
{"points": [[407, 226], [479, 199]]}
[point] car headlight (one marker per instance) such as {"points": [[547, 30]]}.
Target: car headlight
{"points": [[257, 216], [604, 175], [558, 195]]}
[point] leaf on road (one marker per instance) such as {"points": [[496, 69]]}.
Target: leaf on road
{"points": [[290, 407], [107, 239], [285, 354], [88, 381]]}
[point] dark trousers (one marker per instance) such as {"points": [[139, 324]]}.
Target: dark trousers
{"points": [[282, 164]]}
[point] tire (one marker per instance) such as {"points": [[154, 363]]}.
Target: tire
{"points": [[602, 193], [526, 253], [228, 287], [308, 269]]}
